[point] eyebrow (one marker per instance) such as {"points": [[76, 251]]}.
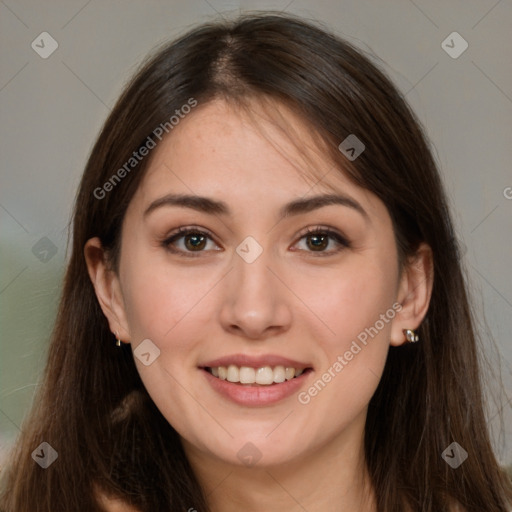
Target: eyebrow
{"points": [[214, 207]]}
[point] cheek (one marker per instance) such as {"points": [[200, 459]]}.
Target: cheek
{"points": [[158, 297], [358, 309], [351, 300]]}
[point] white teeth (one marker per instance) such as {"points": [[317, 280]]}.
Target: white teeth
{"points": [[279, 374], [264, 376], [289, 373], [233, 373], [247, 375]]}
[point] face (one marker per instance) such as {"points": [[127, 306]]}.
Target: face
{"points": [[260, 277]]}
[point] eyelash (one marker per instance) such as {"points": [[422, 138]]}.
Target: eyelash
{"points": [[319, 230]]}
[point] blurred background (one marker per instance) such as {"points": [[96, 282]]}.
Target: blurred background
{"points": [[64, 63]]}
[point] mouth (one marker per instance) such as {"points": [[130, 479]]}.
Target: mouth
{"points": [[256, 380], [263, 376]]}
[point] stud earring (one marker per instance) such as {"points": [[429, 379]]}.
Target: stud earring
{"points": [[118, 341], [411, 336]]}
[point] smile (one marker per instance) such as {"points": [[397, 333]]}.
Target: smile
{"points": [[255, 387], [263, 376]]}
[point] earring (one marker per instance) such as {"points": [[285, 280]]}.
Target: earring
{"points": [[118, 341], [411, 336]]}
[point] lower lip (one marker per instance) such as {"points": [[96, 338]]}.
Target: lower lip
{"points": [[254, 395]]}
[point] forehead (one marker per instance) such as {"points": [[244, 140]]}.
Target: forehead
{"points": [[262, 150]]}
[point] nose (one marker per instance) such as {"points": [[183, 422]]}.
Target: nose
{"points": [[255, 304]]}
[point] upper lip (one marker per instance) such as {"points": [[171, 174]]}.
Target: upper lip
{"points": [[255, 361]]}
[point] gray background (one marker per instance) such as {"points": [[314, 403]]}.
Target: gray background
{"points": [[52, 109]]}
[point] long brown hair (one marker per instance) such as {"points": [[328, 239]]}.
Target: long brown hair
{"points": [[93, 408]]}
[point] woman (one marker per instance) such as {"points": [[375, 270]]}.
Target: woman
{"points": [[264, 307]]}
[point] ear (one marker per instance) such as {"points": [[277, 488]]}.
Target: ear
{"points": [[414, 292], [107, 287]]}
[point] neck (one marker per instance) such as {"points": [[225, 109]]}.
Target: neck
{"points": [[330, 478]]}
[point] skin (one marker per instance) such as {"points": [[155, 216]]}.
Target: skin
{"points": [[290, 301]]}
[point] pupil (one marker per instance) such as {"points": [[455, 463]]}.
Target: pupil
{"points": [[195, 241], [317, 242]]}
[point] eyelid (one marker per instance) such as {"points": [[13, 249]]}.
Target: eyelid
{"points": [[182, 231], [333, 233]]}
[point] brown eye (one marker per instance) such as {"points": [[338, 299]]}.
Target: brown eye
{"points": [[317, 242], [323, 241], [195, 242], [187, 241]]}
